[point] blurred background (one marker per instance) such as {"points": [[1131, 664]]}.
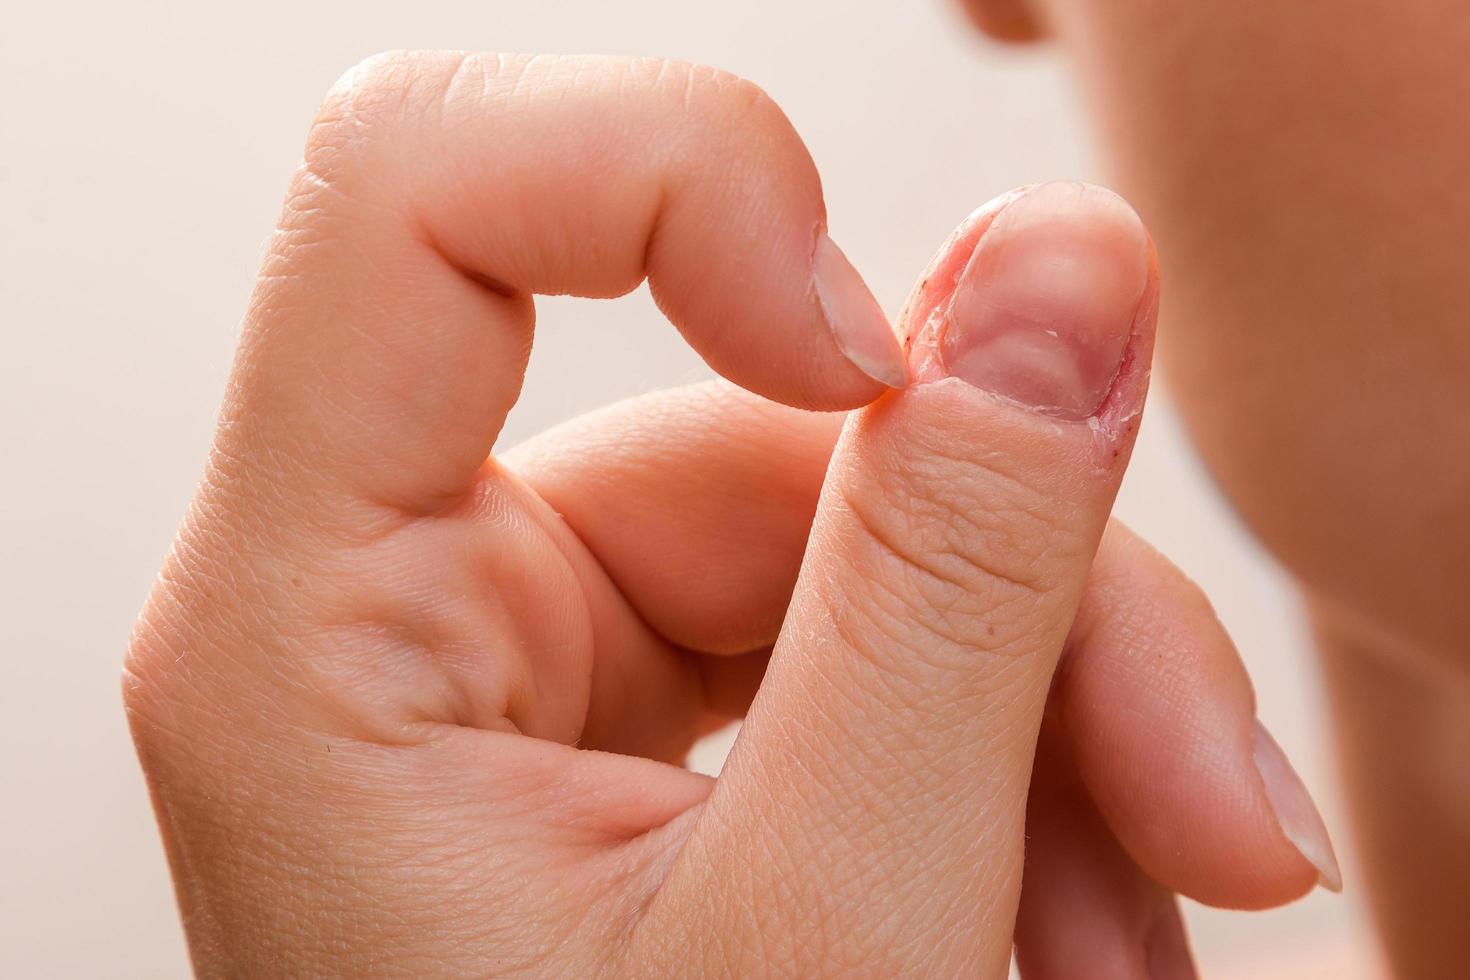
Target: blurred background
{"points": [[146, 150]]}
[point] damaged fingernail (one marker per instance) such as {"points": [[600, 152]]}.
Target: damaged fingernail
{"points": [[1044, 310]]}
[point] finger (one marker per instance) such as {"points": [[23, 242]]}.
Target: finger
{"points": [[1086, 909], [692, 531], [701, 520], [389, 333], [875, 799], [1160, 713], [701, 516]]}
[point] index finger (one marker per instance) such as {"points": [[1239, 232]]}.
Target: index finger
{"points": [[388, 336]]}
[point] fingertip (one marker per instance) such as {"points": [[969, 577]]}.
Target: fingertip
{"points": [[812, 337], [1161, 716]]}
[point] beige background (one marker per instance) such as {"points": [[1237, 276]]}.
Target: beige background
{"points": [[146, 146]]}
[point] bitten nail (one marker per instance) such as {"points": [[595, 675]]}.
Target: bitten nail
{"points": [[1044, 310]]}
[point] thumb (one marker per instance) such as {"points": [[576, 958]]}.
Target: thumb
{"points": [[871, 816]]}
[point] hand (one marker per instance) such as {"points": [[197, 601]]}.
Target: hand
{"points": [[406, 711]]}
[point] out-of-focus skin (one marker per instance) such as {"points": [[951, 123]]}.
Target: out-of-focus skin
{"points": [[1303, 167]]}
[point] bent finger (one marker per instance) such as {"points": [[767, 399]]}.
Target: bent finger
{"points": [[701, 516], [388, 335], [1161, 715]]}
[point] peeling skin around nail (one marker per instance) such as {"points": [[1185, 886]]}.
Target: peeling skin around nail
{"points": [[928, 314]]}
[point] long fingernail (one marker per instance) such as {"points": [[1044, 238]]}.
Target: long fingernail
{"points": [[1044, 310], [858, 323], [1295, 812]]}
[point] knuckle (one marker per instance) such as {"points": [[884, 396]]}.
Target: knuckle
{"points": [[739, 94], [726, 102], [376, 74], [377, 99], [372, 113], [366, 91], [971, 561], [227, 604]]}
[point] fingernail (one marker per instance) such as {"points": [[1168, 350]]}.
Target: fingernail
{"points": [[857, 322], [1043, 312], [1166, 947], [1295, 812]]}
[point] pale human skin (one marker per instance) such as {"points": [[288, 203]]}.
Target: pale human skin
{"points": [[406, 710], [1303, 169]]}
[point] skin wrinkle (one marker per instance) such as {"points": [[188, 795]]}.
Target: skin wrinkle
{"points": [[948, 612], [343, 144], [678, 946], [813, 916], [1004, 507], [888, 682], [324, 689], [357, 610], [919, 805]]}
